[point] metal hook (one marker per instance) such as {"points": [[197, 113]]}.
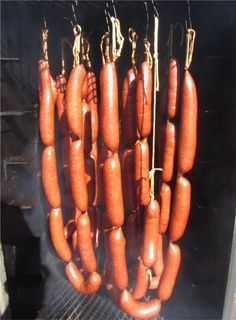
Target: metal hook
{"points": [[189, 15], [147, 17], [74, 15], [107, 16], [155, 9], [114, 8]]}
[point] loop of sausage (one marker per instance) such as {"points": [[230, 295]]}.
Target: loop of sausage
{"points": [[158, 265], [113, 191], [173, 89], [116, 247], [93, 103], [84, 243], [47, 100], [141, 172], [168, 152], [168, 278], [89, 286], [90, 178], [181, 208], [136, 309], [141, 283], [128, 179], [133, 236], [144, 100], [150, 233], [109, 113], [188, 125], [165, 199], [57, 235], [77, 175], [60, 102], [74, 100], [49, 177], [130, 133], [87, 130]]}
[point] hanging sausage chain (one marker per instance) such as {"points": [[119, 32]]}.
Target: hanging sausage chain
{"points": [[100, 186]]}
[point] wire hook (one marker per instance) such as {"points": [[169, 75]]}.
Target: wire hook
{"points": [[147, 18], [189, 15], [74, 15], [155, 9], [107, 17], [114, 8]]}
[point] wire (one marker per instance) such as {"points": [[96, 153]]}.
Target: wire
{"points": [[189, 15], [155, 9], [147, 18], [114, 8], [107, 17], [74, 15]]}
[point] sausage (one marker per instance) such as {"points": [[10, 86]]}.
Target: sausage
{"points": [[109, 113], [69, 228], [60, 102], [113, 191], [112, 290], [144, 100], [116, 248], [85, 88], [90, 178], [181, 208], [150, 233], [168, 278], [165, 198], [128, 104], [46, 110], [136, 309], [74, 100], [173, 89], [77, 175], [128, 179], [93, 217], [94, 151], [141, 172], [87, 131], [141, 283], [49, 177], [188, 125], [85, 246], [158, 265], [104, 154], [66, 141], [133, 236], [93, 103], [91, 285], [169, 152], [57, 235]]}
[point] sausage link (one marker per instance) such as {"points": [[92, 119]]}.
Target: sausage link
{"points": [[87, 131], [169, 152], [60, 102], [116, 248], [66, 141], [141, 172], [133, 236], [109, 113], [74, 100], [136, 309], [77, 175], [150, 233], [144, 100], [188, 125], [93, 217], [173, 89], [165, 199], [141, 283], [49, 177], [93, 103], [85, 88], [90, 178], [158, 265], [128, 102], [113, 191], [85, 245], [168, 278], [57, 235], [91, 285], [181, 208], [69, 228], [128, 179]]}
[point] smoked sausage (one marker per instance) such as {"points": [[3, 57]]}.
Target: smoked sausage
{"points": [[133, 236], [90, 178], [158, 265], [165, 198], [141, 283], [169, 152], [87, 131], [173, 89], [60, 102], [93, 103]]}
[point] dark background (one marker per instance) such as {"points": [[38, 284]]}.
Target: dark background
{"points": [[35, 277]]}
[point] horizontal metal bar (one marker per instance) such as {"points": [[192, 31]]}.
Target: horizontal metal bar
{"points": [[9, 59]]}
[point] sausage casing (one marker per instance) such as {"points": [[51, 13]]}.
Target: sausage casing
{"points": [[87, 130], [141, 283], [173, 89], [133, 236], [90, 178], [169, 152], [93, 103], [60, 102], [165, 199]]}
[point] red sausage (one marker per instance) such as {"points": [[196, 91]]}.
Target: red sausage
{"points": [[74, 100], [49, 177], [60, 102], [77, 175], [109, 113], [133, 236], [158, 265], [85, 245], [181, 208], [141, 172], [165, 198], [93, 217], [69, 228], [128, 103], [144, 100], [168, 278], [150, 233], [46, 110], [93, 103], [91, 285], [169, 152], [66, 141], [90, 178], [57, 235], [128, 179], [141, 283], [87, 131], [85, 88], [113, 191], [116, 248], [173, 89], [188, 125], [136, 309]]}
